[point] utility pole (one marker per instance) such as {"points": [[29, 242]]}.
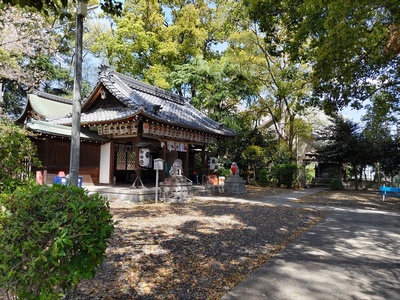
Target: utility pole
{"points": [[81, 12], [1, 97]]}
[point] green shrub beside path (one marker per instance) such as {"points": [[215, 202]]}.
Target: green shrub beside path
{"points": [[51, 237], [17, 151]]}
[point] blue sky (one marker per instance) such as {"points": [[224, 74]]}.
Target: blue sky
{"points": [[353, 114]]}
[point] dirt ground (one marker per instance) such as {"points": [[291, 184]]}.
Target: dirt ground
{"points": [[199, 250], [365, 199]]}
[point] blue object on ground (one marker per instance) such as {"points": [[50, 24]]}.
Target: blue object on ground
{"points": [[389, 191], [60, 180], [64, 181]]}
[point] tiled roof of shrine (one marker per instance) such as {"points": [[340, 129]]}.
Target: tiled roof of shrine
{"points": [[46, 128], [138, 98], [45, 106]]}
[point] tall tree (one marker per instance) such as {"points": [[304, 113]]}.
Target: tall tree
{"points": [[174, 45], [36, 39], [24, 43], [340, 143], [182, 46], [48, 7], [390, 159], [32, 55], [216, 87], [380, 125], [152, 37], [353, 45], [278, 84]]}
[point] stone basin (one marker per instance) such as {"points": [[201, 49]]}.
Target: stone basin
{"points": [[176, 189]]}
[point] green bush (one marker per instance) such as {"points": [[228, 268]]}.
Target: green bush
{"points": [[16, 152], [50, 239], [336, 184], [264, 177], [224, 172], [310, 172], [285, 174]]}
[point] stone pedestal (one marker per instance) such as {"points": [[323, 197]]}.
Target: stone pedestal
{"points": [[176, 189], [235, 185]]}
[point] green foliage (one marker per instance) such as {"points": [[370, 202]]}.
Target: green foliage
{"points": [[253, 155], [254, 158], [148, 45], [263, 177], [233, 148], [216, 87], [336, 184], [340, 143], [279, 86], [378, 136], [14, 99], [310, 172], [224, 172], [390, 157], [17, 152], [51, 238], [353, 45], [48, 7], [285, 174]]}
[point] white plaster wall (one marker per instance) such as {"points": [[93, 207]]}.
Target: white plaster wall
{"points": [[105, 154]]}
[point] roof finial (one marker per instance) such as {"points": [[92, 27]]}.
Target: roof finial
{"points": [[103, 68]]}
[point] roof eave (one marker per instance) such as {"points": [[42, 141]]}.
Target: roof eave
{"points": [[154, 117]]}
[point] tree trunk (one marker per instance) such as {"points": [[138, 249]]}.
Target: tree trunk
{"points": [[355, 178], [291, 136], [378, 172], [1, 97]]}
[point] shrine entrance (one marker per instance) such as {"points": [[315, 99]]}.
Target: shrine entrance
{"points": [[124, 163]]}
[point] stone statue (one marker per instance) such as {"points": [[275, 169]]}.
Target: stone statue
{"points": [[234, 184], [234, 169], [176, 168]]}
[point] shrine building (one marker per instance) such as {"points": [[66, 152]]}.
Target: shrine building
{"points": [[125, 125]]}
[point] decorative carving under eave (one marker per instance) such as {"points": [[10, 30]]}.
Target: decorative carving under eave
{"points": [[36, 116]]}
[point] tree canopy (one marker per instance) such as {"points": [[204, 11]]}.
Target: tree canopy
{"points": [[248, 64], [30, 51], [353, 45], [58, 7], [151, 38]]}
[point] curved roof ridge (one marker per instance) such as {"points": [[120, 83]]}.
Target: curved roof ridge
{"points": [[52, 97], [108, 81], [147, 88]]}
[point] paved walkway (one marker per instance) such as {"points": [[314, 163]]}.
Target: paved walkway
{"points": [[351, 254]]}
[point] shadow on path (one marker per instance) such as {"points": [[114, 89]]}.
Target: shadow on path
{"points": [[351, 254]]}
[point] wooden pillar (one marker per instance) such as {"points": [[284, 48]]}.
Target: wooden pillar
{"points": [[138, 169], [164, 157], [112, 164], [186, 164], [203, 164]]}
